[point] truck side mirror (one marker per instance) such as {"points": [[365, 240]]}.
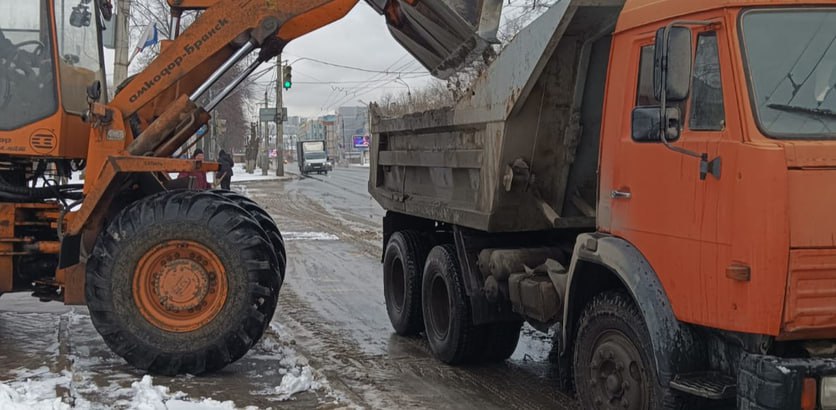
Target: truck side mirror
{"points": [[672, 63], [647, 124]]}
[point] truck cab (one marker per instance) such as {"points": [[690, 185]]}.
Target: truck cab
{"points": [[313, 157], [735, 219]]}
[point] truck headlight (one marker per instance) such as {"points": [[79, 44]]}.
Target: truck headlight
{"points": [[827, 393]]}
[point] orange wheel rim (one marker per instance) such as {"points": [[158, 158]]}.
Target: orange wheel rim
{"points": [[180, 286]]}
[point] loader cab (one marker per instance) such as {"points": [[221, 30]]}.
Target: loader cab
{"points": [[49, 54]]}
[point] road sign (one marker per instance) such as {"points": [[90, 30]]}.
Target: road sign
{"points": [[269, 114]]}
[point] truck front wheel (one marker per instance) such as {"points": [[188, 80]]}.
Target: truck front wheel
{"points": [[403, 265], [613, 358], [451, 334], [182, 282]]}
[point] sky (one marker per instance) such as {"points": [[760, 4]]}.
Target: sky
{"points": [[360, 40]]}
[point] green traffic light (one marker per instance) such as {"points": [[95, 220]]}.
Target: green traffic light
{"points": [[287, 85]]}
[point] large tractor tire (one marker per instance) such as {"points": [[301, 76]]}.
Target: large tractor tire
{"points": [[614, 365], [265, 220], [182, 282], [403, 267], [452, 336]]}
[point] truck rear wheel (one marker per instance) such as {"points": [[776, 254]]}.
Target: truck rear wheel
{"points": [[448, 322], [403, 266], [182, 282], [613, 359], [500, 340]]}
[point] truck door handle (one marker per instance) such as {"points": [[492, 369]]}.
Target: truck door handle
{"points": [[616, 194]]}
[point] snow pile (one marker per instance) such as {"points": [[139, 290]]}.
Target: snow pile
{"points": [[297, 375], [147, 396], [309, 236], [297, 380], [36, 392]]}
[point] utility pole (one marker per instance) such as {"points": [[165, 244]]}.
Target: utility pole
{"points": [[265, 164], [207, 138], [123, 40], [279, 119]]}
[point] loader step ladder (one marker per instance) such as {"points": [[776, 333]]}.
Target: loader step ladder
{"points": [[711, 385]]}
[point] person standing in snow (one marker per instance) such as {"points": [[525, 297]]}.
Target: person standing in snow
{"points": [[224, 174]]}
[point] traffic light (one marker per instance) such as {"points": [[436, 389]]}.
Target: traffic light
{"points": [[288, 77]]}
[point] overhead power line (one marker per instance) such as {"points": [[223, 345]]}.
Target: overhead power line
{"points": [[348, 67]]}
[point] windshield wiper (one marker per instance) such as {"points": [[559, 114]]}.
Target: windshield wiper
{"points": [[815, 112]]}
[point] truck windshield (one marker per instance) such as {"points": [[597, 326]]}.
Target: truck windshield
{"points": [[315, 155], [791, 62]]}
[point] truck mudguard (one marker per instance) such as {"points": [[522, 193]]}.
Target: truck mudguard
{"points": [[676, 349]]}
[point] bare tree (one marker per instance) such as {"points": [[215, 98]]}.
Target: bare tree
{"points": [[231, 110], [517, 14]]}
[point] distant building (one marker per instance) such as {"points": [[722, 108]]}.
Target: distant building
{"points": [[311, 130], [331, 137], [291, 126], [352, 122]]}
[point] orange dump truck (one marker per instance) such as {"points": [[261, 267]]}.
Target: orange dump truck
{"points": [[655, 180]]}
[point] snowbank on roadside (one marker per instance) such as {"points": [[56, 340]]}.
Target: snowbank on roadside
{"points": [[147, 396], [287, 374], [39, 393], [36, 392]]}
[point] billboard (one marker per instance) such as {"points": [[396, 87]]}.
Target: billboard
{"points": [[361, 141]]}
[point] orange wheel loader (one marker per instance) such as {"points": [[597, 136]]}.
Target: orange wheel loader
{"points": [[176, 281]]}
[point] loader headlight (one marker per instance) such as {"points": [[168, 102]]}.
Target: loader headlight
{"points": [[827, 393]]}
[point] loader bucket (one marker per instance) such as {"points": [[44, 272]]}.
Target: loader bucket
{"points": [[444, 35]]}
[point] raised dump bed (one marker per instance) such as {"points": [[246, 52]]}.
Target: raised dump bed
{"points": [[520, 152]]}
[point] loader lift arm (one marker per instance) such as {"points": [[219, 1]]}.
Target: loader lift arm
{"points": [[229, 30]]}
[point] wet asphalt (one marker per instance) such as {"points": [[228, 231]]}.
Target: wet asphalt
{"points": [[331, 316]]}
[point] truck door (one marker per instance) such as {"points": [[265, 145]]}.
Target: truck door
{"points": [[682, 224], [655, 200]]}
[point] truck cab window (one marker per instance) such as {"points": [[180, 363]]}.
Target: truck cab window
{"points": [[707, 110], [645, 95], [78, 48], [27, 80]]}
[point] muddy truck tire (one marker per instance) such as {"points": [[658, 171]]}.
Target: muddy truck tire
{"points": [[613, 360], [451, 334], [403, 267], [182, 282], [499, 341], [265, 220]]}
